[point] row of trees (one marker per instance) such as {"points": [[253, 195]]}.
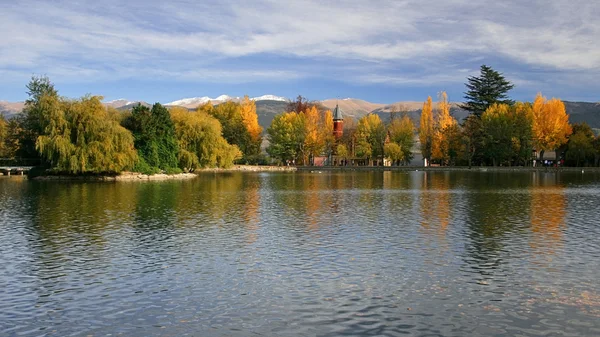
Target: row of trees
{"points": [[83, 136], [306, 131], [498, 131], [501, 132], [298, 136]]}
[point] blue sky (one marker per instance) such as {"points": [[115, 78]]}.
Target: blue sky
{"points": [[379, 50]]}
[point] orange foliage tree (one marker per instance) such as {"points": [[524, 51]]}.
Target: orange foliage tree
{"points": [[250, 121], [426, 130], [551, 127], [444, 129]]}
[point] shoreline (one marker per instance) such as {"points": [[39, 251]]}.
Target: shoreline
{"points": [[133, 176], [124, 176], [447, 169], [251, 168]]}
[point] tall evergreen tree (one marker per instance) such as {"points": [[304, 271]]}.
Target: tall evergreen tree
{"points": [[154, 135], [489, 88], [42, 97]]}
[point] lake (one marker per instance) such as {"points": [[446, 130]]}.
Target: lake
{"points": [[303, 254]]}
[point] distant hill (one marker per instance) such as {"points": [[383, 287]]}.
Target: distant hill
{"points": [[8, 109], [268, 106], [266, 111], [352, 107], [413, 110], [584, 112], [130, 105]]}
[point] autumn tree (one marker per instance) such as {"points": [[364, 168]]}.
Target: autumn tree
{"points": [[326, 131], [313, 144], [426, 130], [370, 136], [580, 147], [507, 133], [342, 151], [230, 116], [240, 126], [393, 152], [402, 133], [286, 135], [551, 127], [444, 140], [301, 104], [3, 138], [490, 87], [253, 129], [522, 133], [398, 111], [79, 137], [497, 125], [200, 141], [12, 140], [349, 136]]}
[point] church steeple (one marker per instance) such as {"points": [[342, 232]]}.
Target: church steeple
{"points": [[338, 122], [337, 113]]}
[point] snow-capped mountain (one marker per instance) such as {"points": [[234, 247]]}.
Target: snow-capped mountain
{"points": [[270, 98], [193, 102], [117, 103]]}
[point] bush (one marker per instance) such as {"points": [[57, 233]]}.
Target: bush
{"points": [[173, 170], [144, 168]]}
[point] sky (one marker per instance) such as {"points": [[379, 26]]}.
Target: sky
{"points": [[381, 51]]}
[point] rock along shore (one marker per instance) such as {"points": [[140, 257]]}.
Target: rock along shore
{"points": [[134, 176], [124, 176]]}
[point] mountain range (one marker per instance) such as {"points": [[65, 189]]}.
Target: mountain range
{"points": [[267, 106]]}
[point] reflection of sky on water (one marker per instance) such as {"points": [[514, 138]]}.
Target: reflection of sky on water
{"points": [[359, 252]]}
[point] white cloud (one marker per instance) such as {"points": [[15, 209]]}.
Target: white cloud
{"points": [[223, 41]]}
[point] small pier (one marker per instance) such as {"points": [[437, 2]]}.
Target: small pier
{"points": [[14, 170]]}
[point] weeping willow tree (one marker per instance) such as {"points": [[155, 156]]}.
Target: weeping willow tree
{"points": [[200, 140], [79, 137]]}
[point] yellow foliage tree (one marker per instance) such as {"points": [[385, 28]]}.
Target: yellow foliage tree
{"points": [[313, 144], [551, 127], [327, 131], [401, 132], [287, 137], [200, 140], [426, 130], [440, 147], [3, 136], [370, 136], [80, 137], [250, 121]]}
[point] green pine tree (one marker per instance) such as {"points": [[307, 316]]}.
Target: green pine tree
{"points": [[488, 88]]}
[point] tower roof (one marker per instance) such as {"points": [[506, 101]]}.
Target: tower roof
{"points": [[337, 113]]}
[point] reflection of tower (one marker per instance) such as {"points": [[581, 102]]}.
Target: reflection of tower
{"points": [[338, 122]]}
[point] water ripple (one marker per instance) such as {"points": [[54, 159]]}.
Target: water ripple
{"points": [[358, 253]]}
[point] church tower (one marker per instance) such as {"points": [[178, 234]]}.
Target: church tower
{"points": [[338, 122]]}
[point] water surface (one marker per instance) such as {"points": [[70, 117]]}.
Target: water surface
{"points": [[303, 254]]}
